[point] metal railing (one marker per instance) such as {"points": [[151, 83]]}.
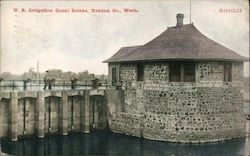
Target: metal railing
{"points": [[36, 85]]}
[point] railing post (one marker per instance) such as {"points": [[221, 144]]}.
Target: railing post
{"points": [[30, 84], [5, 86], [13, 84], [39, 83]]}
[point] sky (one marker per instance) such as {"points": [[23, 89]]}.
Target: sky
{"points": [[81, 41]]}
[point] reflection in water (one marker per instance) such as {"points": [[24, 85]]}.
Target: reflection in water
{"points": [[107, 143]]}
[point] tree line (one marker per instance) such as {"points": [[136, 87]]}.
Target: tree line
{"points": [[56, 74]]}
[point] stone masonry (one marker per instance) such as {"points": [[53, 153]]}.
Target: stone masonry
{"points": [[202, 111]]}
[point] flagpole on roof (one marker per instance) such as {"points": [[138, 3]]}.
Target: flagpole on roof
{"points": [[190, 11]]}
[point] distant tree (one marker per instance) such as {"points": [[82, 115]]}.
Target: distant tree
{"points": [[84, 75], [29, 75], [102, 77], [55, 74], [69, 75], [9, 76]]}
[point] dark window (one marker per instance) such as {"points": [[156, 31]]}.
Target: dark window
{"points": [[189, 72], [140, 72], [174, 71], [114, 76], [182, 72], [227, 72]]}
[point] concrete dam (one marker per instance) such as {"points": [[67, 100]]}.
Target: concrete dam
{"points": [[25, 113]]}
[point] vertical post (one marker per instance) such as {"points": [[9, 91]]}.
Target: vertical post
{"points": [[82, 110], [91, 112], [182, 72], [102, 113], [24, 116], [86, 111], [39, 83], [13, 108], [49, 113], [13, 85], [96, 112], [63, 119], [40, 110], [72, 112], [190, 5]]}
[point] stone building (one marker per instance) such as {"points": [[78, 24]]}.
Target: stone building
{"points": [[179, 87]]}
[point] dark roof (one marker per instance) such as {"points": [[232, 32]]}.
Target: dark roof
{"points": [[122, 52], [177, 43]]}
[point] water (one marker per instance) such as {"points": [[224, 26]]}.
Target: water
{"points": [[110, 144]]}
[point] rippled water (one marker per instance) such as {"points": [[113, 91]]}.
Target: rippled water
{"points": [[107, 143]]}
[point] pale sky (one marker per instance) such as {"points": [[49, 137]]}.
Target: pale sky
{"points": [[79, 41]]}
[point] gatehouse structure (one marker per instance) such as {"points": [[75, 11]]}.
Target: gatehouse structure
{"points": [[179, 87]]}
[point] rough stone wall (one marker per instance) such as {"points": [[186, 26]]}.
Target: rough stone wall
{"points": [[237, 71], [128, 78], [134, 98], [126, 123], [128, 74], [156, 73], [201, 111], [209, 71], [193, 114]]}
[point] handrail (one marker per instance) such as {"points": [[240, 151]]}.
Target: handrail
{"points": [[12, 85]]}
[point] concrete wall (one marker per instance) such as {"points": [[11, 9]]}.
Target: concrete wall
{"points": [[115, 103], [4, 116], [248, 128], [74, 112], [41, 113], [26, 116], [202, 111]]}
